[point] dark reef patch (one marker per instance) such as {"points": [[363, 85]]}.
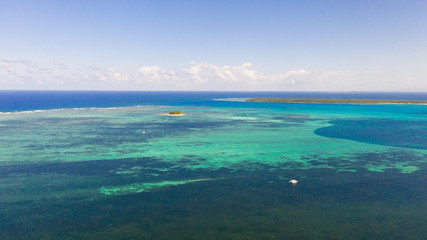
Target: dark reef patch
{"points": [[84, 168]]}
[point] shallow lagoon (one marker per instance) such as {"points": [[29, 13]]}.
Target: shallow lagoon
{"points": [[220, 172]]}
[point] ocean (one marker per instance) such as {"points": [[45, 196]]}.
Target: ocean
{"points": [[105, 165]]}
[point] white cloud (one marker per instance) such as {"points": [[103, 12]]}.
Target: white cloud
{"points": [[105, 75], [60, 64], [149, 70], [149, 74], [117, 76], [208, 73], [196, 76], [26, 63], [7, 66]]}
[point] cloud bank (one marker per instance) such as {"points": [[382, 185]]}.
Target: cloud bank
{"points": [[23, 74]]}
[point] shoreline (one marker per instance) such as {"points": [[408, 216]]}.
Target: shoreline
{"points": [[336, 101]]}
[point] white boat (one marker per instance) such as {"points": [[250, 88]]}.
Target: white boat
{"points": [[293, 181]]}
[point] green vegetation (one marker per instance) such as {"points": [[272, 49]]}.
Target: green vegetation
{"points": [[175, 112], [327, 100]]}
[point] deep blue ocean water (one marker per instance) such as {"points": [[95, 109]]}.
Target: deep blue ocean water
{"points": [[11, 101], [222, 172]]}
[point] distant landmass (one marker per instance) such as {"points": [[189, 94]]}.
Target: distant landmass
{"points": [[334, 100]]}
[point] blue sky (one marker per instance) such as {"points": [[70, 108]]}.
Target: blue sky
{"points": [[214, 45]]}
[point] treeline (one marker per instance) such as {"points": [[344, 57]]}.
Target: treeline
{"points": [[334, 100]]}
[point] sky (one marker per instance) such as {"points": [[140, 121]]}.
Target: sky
{"points": [[365, 45]]}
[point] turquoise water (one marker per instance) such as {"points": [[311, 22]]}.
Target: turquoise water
{"points": [[219, 172]]}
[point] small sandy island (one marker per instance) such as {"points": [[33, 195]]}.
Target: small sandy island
{"points": [[172, 113]]}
